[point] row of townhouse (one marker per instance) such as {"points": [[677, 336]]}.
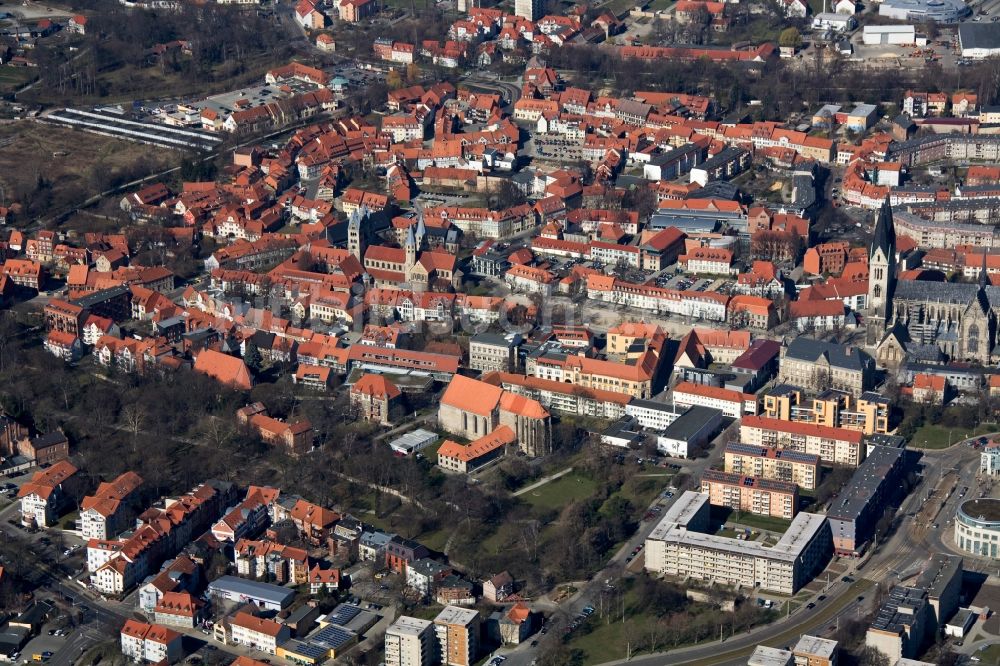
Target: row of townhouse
{"points": [[696, 305], [118, 565]]}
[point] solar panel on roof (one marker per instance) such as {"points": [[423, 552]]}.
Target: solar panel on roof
{"points": [[332, 636], [343, 614]]}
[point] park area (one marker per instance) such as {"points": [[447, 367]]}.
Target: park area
{"points": [[941, 437]]}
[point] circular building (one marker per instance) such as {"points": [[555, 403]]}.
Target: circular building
{"points": [[977, 527]]}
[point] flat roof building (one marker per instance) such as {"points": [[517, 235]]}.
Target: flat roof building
{"points": [[410, 641], [815, 651], [241, 590], [942, 578], [678, 547], [763, 497], [413, 441], [769, 656], [802, 469], [693, 428], [901, 623], [859, 506]]}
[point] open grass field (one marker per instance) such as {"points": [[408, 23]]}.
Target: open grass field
{"points": [[941, 437], [12, 78], [557, 494], [62, 156]]}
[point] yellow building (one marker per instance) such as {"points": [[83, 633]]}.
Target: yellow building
{"points": [[868, 414]]}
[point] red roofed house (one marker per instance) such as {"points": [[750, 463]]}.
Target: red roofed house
{"points": [[47, 494], [323, 579], [25, 273], [817, 315], [374, 397], [516, 624], [108, 512], [63, 345], [224, 368], [178, 609], [296, 438], [77, 24], [257, 632], [931, 389], [308, 16], [712, 260], [455, 457], [151, 643]]}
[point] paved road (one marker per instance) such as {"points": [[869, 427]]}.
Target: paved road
{"points": [[541, 482]]}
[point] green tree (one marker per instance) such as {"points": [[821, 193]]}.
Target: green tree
{"points": [[790, 38], [252, 357]]}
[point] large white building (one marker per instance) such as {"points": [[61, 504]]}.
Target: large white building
{"points": [[874, 35], [410, 641], [977, 527], [678, 546], [989, 460], [978, 40], [529, 9]]}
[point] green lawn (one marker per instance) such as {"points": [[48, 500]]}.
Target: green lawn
{"points": [[941, 437], [557, 494], [761, 522], [990, 655], [659, 5], [14, 77]]}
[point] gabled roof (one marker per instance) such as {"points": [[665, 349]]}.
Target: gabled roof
{"points": [[470, 395]]}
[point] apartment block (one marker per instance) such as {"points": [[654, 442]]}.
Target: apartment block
{"points": [[457, 631], [868, 414], [764, 462], [410, 641], [833, 445], [815, 651], [762, 497], [900, 627], [856, 511], [677, 546]]}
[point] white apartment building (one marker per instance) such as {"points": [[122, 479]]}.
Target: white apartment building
{"points": [[150, 643], [677, 546], [731, 403], [410, 641], [989, 460], [529, 9], [257, 633], [653, 415]]}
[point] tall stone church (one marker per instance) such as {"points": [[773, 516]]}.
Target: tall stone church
{"points": [[924, 321]]}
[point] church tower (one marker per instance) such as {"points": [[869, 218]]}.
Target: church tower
{"points": [[881, 273], [355, 237], [411, 250], [421, 232]]}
